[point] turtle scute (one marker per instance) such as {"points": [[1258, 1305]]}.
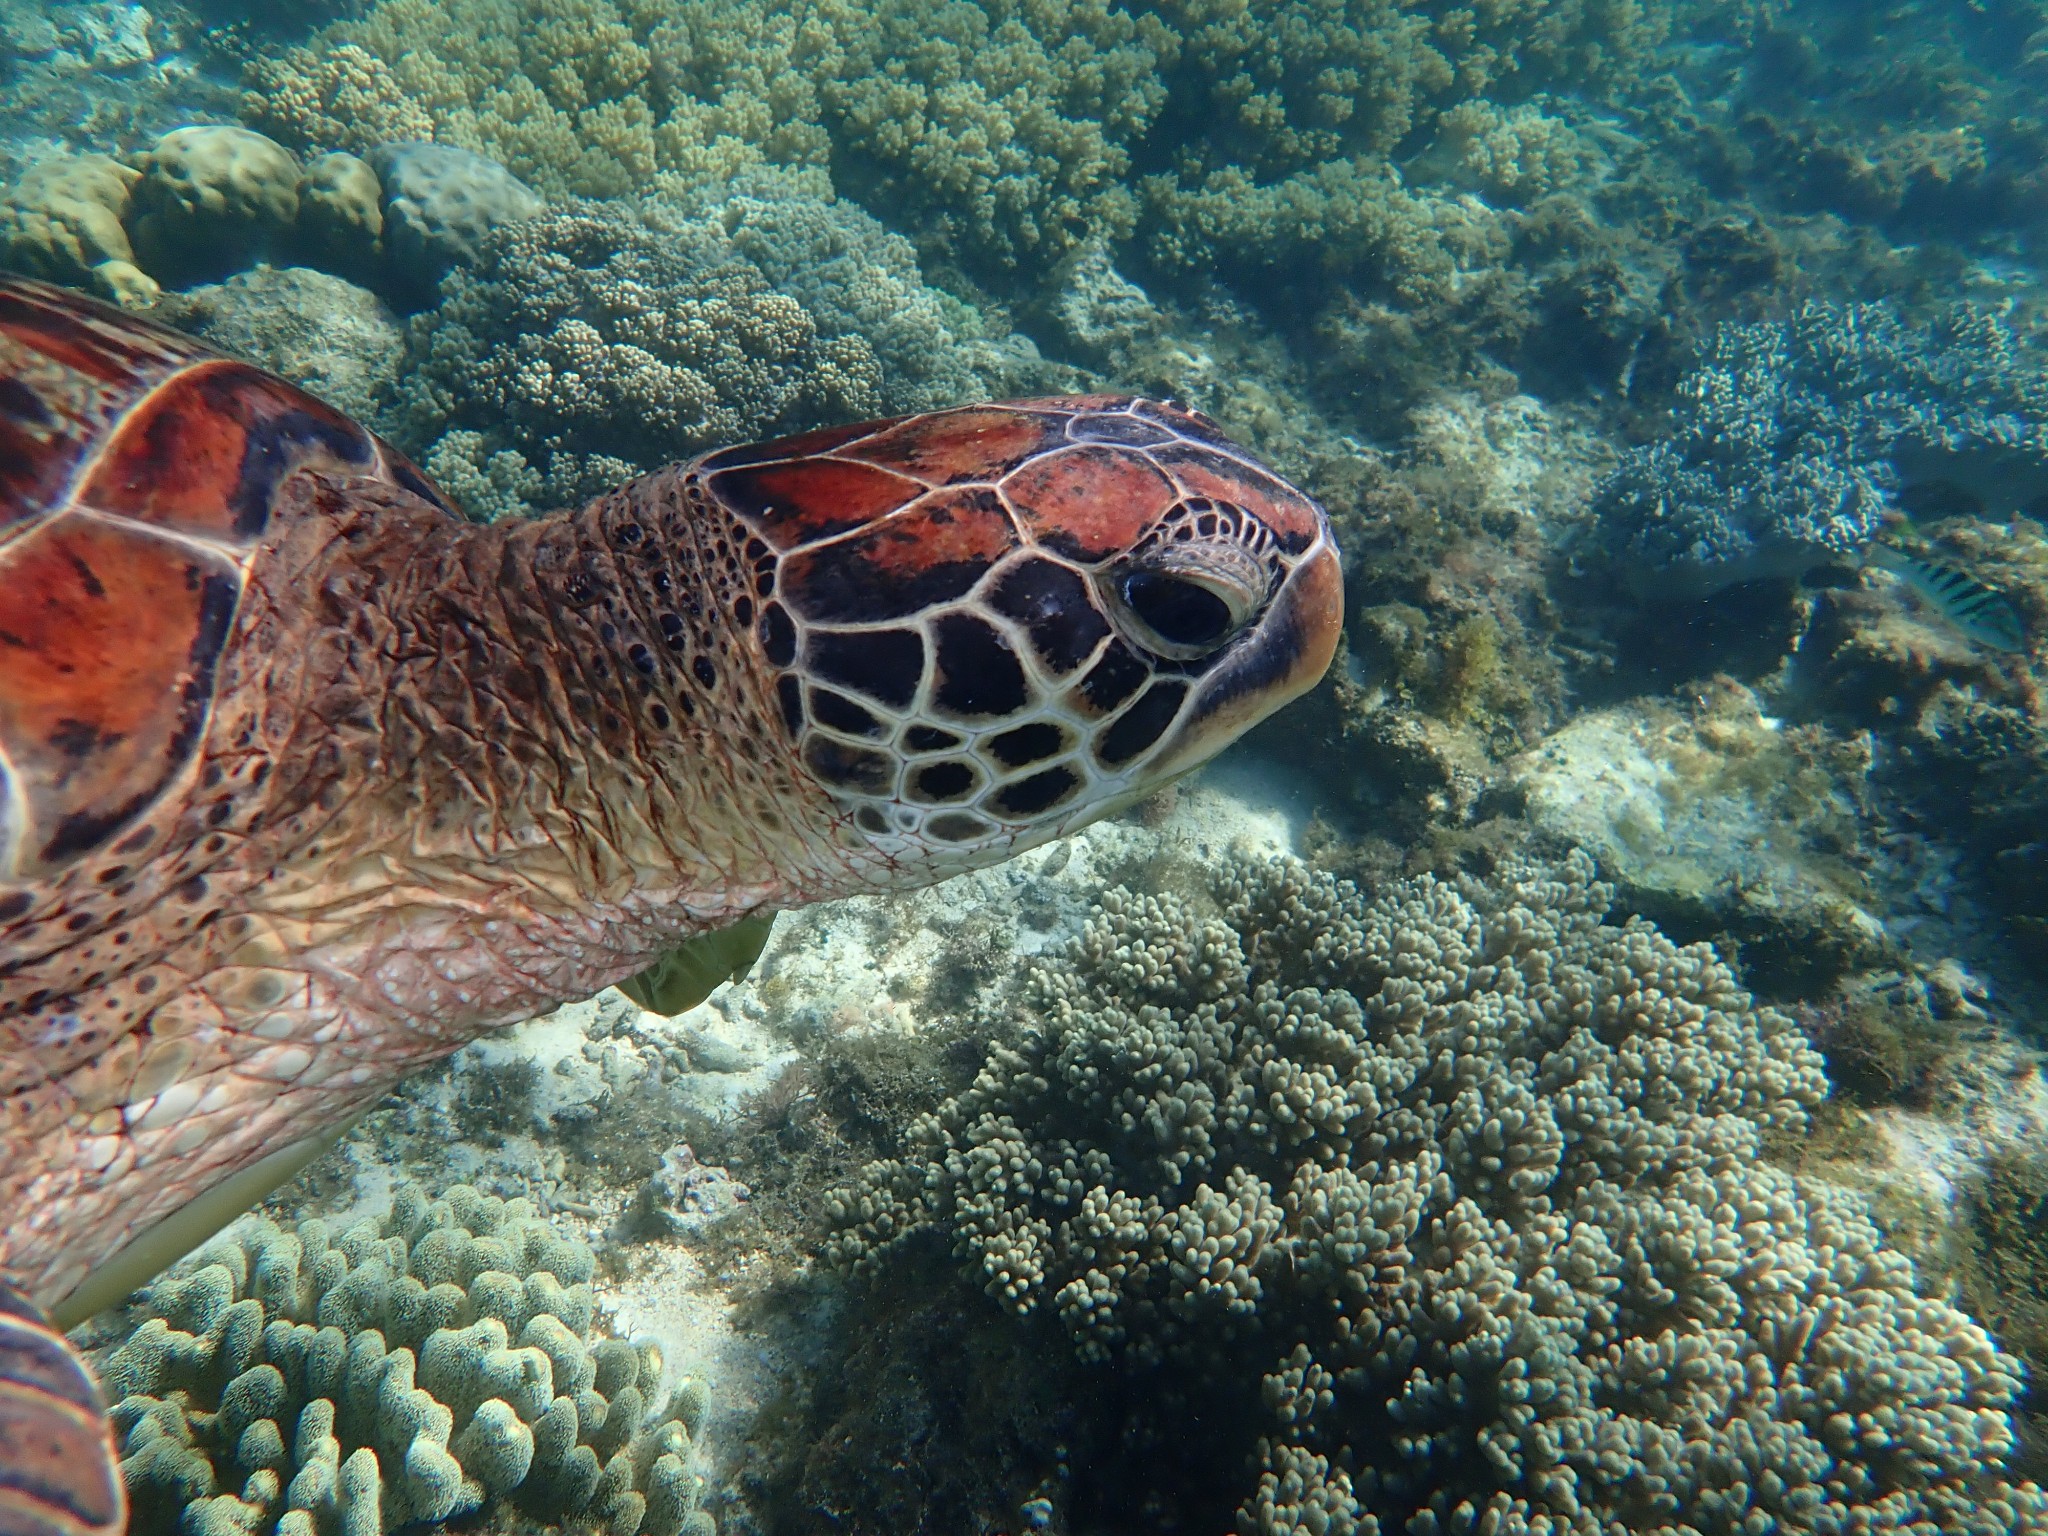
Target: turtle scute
{"points": [[117, 622]]}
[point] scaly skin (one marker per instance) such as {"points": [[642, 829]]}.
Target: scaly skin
{"points": [[435, 799]]}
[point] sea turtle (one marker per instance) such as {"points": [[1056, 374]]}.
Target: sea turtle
{"points": [[305, 780]]}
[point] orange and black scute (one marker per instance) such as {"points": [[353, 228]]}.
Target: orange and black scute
{"points": [[965, 562], [57, 1473], [137, 474]]}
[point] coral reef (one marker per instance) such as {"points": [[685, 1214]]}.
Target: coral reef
{"points": [[322, 333], [406, 1369], [439, 203], [210, 200], [1005, 125], [1793, 438], [601, 338], [1468, 1178], [1004, 132], [63, 219], [1927, 125]]}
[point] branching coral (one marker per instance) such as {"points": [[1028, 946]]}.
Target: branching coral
{"points": [[341, 98], [1004, 131], [1793, 436], [1475, 1174], [597, 338], [603, 343], [405, 1370], [1006, 122]]}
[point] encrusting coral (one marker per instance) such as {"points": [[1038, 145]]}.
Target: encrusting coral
{"points": [[1472, 1177], [404, 1370]]}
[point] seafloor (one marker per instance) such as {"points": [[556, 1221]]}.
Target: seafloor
{"points": [[1147, 1185]]}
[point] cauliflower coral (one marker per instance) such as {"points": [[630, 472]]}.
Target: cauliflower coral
{"points": [[1476, 1174]]}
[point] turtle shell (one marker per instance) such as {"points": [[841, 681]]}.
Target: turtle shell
{"points": [[139, 478]]}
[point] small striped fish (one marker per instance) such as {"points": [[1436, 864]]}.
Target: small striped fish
{"points": [[56, 1474], [1983, 613]]}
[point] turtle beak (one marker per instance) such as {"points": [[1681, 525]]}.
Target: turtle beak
{"points": [[1285, 656]]}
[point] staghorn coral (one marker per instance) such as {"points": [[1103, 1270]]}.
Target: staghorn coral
{"points": [[1794, 437], [595, 339], [404, 1370], [1468, 1178]]}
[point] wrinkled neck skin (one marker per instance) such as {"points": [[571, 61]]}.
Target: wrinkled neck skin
{"points": [[454, 776], [574, 759]]}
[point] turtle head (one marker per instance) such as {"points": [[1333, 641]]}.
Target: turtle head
{"points": [[988, 627]]}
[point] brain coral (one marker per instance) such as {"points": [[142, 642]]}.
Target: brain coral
{"points": [[405, 1370], [1471, 1177], [1793, 436], [598, 338]]}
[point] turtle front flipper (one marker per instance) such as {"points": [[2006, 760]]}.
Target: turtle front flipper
{"points": [[58, 1476]]}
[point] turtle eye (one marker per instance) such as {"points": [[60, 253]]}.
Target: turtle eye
{"points": [[1181, 611]]}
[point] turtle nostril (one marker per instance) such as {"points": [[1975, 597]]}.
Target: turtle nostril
{"points": [[1179, 611]]}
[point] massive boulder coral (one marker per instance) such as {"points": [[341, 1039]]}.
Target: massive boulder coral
{"points": [[210, 200], [62, 219], [438, 204], [309, 1382], [1471, 1177], [1793, 437]]}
